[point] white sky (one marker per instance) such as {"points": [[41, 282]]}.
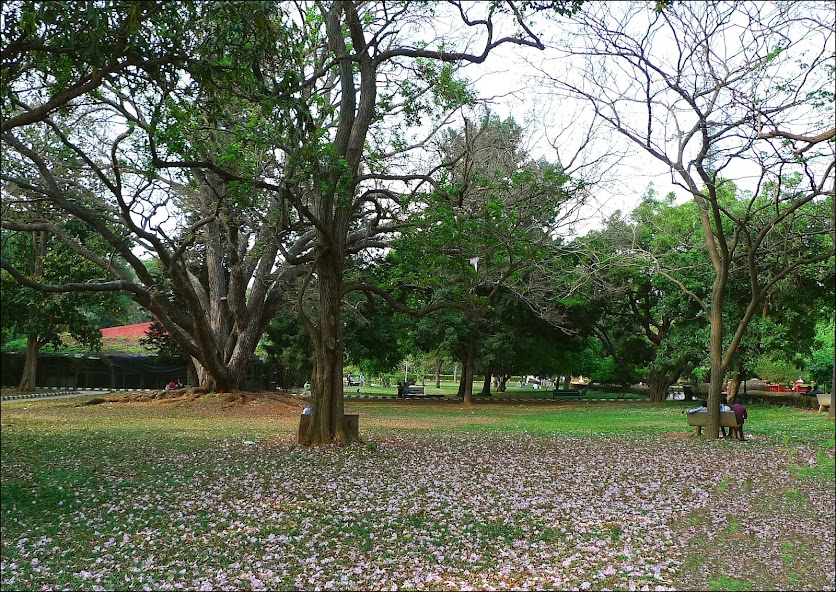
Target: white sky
{"points": [[511, 76], [508, 79]]}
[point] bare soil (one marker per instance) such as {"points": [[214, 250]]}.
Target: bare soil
{"points": [[243, 403]]}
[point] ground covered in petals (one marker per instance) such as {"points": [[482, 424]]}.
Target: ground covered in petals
{"points": [[213, 494]]}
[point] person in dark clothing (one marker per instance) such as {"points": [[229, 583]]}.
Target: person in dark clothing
{"points": [[740, 415], [400, 390]]}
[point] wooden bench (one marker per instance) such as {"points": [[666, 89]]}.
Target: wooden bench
{"points": [[418, 392], [699, 419], [824, 401], [571, 393]]}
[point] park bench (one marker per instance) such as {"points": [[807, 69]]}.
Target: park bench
{"points": [[824, 401], [699, 419], [569, 393], [418, 392]]}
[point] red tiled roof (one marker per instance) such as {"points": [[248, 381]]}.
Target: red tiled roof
{"points": [[134, 331]]}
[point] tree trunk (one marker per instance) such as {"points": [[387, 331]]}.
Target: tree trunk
{"points": [[717, 375], [468, 370], [503, 381], [486, 384], [30, 365], [567, 382], [438, 363], [658, 383], [33, 344], [327, 423], [191, 373], [734, 387]]}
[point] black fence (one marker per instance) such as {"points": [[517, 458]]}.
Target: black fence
{"points": [[111, 371]]}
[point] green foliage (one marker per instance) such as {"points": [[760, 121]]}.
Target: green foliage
{"points": [[158, 341], [775, 370], [819, 361], [287, 345], [59, 44], [645, 320], [372, 341], [50, 316]]}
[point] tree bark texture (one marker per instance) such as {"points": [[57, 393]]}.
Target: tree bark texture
{"points": [[30, 365], [486, 383], [658, 383], [327, 424], [468, 369], [718, 370], [33, 343]]}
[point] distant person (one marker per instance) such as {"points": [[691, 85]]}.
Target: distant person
{"points": [[179, 384], [400, 390], [740, 415], [171, 386]]}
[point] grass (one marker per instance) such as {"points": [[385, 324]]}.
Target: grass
{"points": [[727, 583], [442, 496]]}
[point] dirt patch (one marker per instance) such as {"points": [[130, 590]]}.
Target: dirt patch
{"points": [[242, 403]]}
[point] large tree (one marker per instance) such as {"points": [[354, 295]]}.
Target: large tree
{"points": [[722, 92], [494, 217], [245, 145], [646, 322]]}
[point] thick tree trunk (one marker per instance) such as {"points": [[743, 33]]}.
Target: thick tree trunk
{"points": [[217, 382], [327, 423], [438, 363], [204, 378], [30, 365], [658, 383]]}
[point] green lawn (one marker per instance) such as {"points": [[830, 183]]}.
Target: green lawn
{"points": [[443, 495]]}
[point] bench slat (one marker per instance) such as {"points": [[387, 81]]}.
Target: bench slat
{"points": [[700, 418]]}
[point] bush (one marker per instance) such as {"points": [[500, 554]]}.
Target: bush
{"points": [[779, 399]]}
